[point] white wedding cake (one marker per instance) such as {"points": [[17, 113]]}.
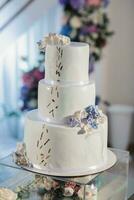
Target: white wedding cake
{"points": [[67, 131]]}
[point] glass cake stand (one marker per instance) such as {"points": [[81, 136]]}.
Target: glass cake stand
{"points": [[108, 185]]}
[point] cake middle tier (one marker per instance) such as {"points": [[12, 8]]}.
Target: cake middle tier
{"points": [[56, 102]]}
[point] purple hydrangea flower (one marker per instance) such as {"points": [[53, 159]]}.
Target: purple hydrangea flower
{"points": [[93, 114], [90, 29], [73, 122], [91, 119], [106, 3], [92, 122], [76, 4], [63, 2]]}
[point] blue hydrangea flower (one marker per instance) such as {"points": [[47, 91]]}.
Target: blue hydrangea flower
{"points": [[64, 2], [92, 111], [93, 114], [66, 30], [94, 125], [90, 120]]}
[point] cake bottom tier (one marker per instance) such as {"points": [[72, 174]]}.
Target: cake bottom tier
{"points": [[59, 147]]}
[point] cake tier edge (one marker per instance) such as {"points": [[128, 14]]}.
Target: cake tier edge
{"points": [[62, 62], [60, 147], [55, 102]]}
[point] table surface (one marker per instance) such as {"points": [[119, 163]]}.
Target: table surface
{"points": [[111, 184]]}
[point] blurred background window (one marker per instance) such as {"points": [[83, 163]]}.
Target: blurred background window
{"points": [[22, 25]]}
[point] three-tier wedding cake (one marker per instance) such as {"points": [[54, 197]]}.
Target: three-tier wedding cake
{"points": [[67, 132]]}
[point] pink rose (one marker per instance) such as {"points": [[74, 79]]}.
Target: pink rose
{"points": [[90, 29], [28, 80], [70, 184], [69, 189], [37, 74], [93, 2], [56, 185], [77, 188]]}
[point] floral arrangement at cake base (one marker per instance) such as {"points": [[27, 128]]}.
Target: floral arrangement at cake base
{"points": [[46, 188], [87, 21]]}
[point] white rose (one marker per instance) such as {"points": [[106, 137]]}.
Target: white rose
{"points": [[77, 115], [87, 39], [75, 22], [32, 103], [48, 183], [81, 37], [48, 186], [20, 148], [47, 197], [94, 35], [82, 125], [68, 192], [87, 129], [6, 194], [54, 38], [90, 193], [81, 193], [84, 114], [96, 50], [101, 119]]}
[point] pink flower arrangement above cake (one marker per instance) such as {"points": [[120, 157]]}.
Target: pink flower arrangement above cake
{"points": [[93, 2]]}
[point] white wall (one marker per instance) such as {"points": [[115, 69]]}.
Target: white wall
{"points": [[21, 24], [116, 82]]}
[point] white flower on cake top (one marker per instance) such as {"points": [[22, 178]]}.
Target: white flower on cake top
{"points": [[53, 39]]}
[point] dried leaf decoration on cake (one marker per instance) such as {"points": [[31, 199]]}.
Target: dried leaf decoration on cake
{"points": [[43, 147], [52, 106], [54, 92], [58, 41], [88, 119], [59, 65]]}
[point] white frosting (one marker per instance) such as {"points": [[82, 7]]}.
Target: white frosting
{"points": [[67, 98], [70, 61], [61, 147], [65, 91]]}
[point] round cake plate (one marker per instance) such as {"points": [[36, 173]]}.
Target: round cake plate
{"points": [[112, 159]]}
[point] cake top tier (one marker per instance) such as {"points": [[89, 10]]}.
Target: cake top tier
{"points": [[65, 61]]}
